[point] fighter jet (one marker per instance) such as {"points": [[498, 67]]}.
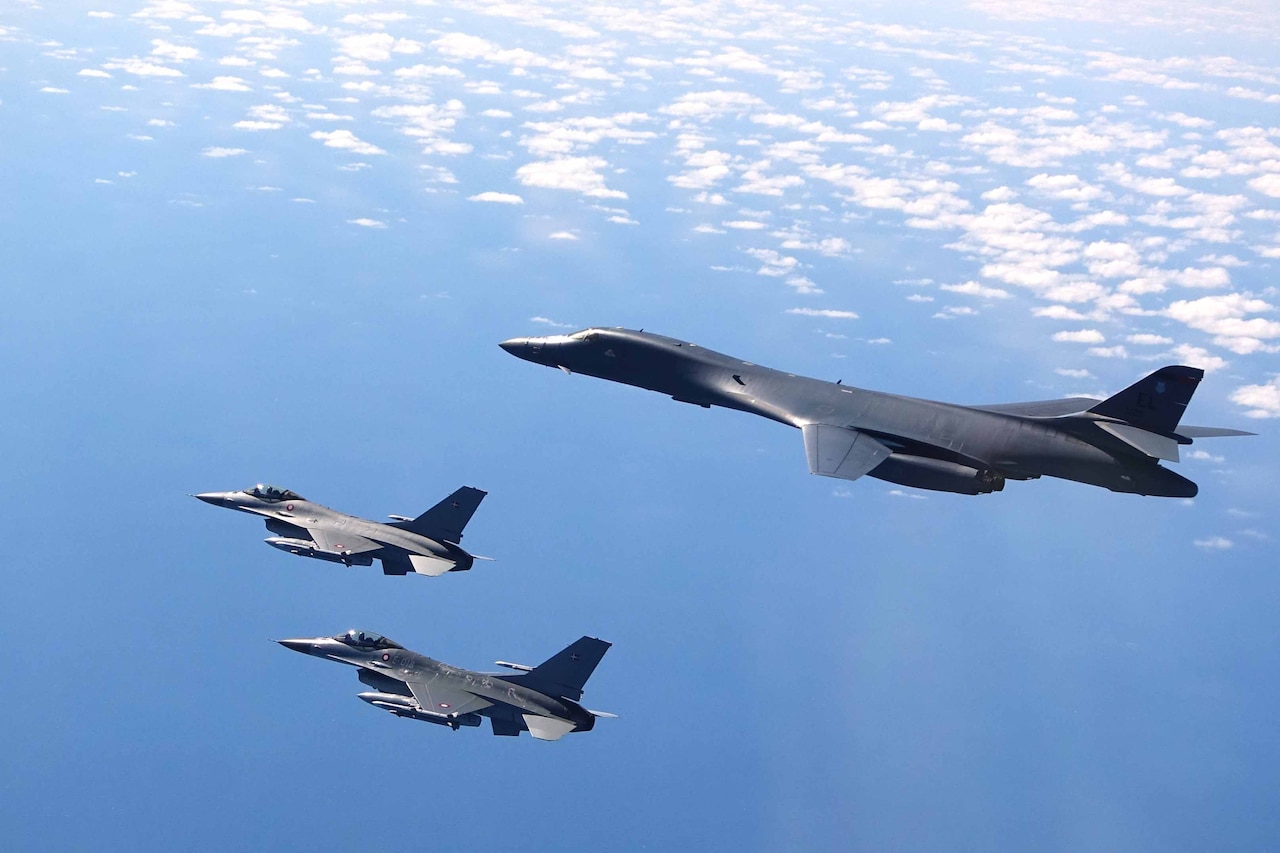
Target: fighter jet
{"points": [[542, 699], [426, 545], [1115, 443]]}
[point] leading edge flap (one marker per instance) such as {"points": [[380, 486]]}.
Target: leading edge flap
{"points": [[835, 451]]}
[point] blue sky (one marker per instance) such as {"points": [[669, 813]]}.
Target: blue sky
{"points": [[240, 247]]}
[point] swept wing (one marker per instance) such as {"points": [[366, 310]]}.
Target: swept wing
{"points": [[835, 451], [443, 699], [341, 543]]}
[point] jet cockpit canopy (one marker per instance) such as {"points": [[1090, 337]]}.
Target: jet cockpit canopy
{"points": [[273, 493], [366, 640]]}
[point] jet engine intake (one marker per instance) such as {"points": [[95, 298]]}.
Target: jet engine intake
{"points": [[383, 683], [921, 472]]}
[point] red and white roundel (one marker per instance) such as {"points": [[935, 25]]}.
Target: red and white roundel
{"points": [[444, 704], [289, 507], [386, 656]]}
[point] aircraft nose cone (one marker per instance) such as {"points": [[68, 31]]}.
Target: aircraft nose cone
{"points": [[303, 646], [215, 498], [516, 346]]}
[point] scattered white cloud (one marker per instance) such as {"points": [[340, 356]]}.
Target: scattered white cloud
{"points": [[829, 313], [577, 174], [225, 84], [1110, 210], [218, 152], [1214, 543], [1059, 312], [1262, 401], [142, 68], [972, 288], [496, 197], [264, 117], [899, 493], [1198, 357], [1083, 336], [773, 263], [347, 141], [365, 222]]}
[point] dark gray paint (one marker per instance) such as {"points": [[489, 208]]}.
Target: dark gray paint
{"points": [[542, 700], [426, 545], [1116, 443]]}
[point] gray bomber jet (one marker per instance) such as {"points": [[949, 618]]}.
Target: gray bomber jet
{"points": [[1115, 443], [542, 700], [426, 545]]}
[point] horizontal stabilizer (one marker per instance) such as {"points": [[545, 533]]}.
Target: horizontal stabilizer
{"points": [[1155, 446], [445, 521], [1210, 432], [547, 728], [1156, 402], [835, 451], [430, 566]]}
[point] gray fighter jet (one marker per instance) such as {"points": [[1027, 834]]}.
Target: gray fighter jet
{"points": [[426, 545], [542, 699], [1116, 443]]}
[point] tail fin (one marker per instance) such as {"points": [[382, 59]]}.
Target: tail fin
{"points": [[566, 672], [444, 521], [1156, 402]]}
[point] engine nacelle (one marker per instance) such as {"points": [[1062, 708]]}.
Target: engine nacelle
{"points": [[921, 472]]}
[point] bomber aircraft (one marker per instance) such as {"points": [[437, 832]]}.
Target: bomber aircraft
{"points": [[1115, 443], [542, 700], [426, 545]]}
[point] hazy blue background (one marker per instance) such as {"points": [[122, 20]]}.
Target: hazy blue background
{"points": [[799, 663]]}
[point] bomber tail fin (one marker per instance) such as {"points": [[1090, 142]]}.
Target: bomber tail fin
{"points": [[1154, 403], [444, 521], [566, 672]]}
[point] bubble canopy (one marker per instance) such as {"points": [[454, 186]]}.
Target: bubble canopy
{"points": [[273, 493], [367, 640]]}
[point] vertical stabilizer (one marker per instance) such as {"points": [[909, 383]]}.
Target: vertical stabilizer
{"points": [[444, 521], [1156, 402], [566, 672]]}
